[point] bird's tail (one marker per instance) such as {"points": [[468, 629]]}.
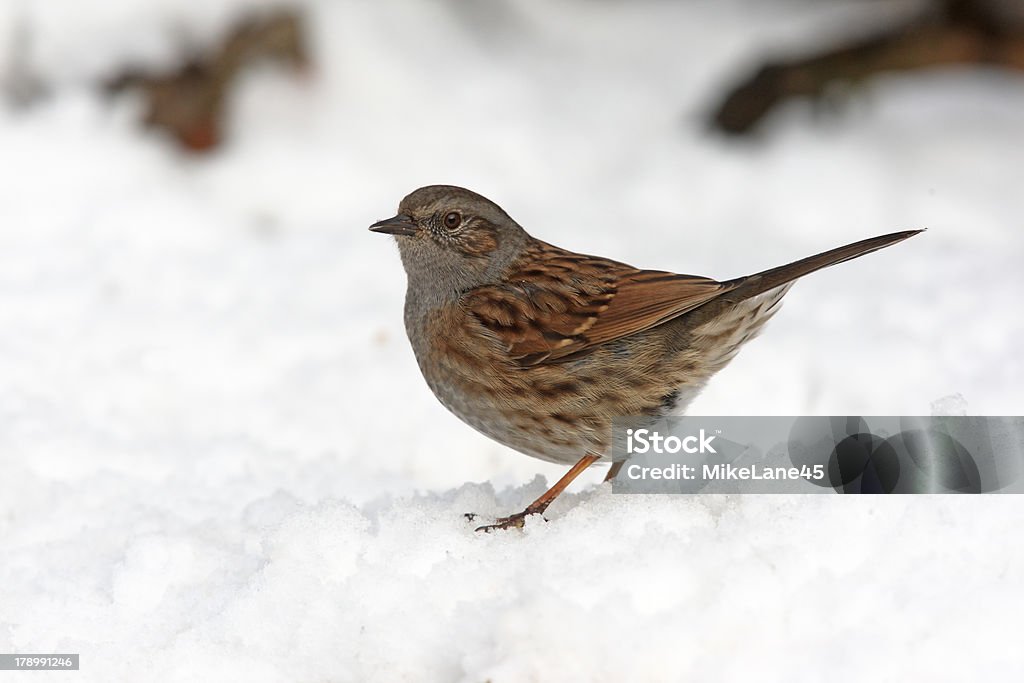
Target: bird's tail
{"points": [[752, 285], [744, 288]]}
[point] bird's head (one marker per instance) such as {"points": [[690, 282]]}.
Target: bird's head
{"points": [[452, 238]]}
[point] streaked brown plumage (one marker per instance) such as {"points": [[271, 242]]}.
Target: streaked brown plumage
{"points": [[539, 347]]}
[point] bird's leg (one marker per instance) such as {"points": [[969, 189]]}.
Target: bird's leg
{"points": [[613, 471], [541, 504]]}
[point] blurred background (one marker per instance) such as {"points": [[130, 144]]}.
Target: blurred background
{"points": [[197, 331]]}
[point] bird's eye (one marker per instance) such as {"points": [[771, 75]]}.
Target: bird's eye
{"points": [[452, 220]]}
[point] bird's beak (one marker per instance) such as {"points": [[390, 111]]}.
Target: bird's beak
{"points": [[399, 225]]}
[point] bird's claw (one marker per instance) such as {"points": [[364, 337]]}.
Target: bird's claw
{"points": [[516, 521]]}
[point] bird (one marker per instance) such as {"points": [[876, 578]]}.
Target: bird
{"points": [[539, 347]]}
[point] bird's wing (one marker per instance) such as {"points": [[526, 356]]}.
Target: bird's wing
{"points": [[557, 303]]}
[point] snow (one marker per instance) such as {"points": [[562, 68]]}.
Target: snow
{"points": [[220, 461]]}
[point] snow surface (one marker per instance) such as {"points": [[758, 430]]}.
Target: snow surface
{"points": [[220, 461]]}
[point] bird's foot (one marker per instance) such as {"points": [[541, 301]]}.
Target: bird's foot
{"points": [[516, 521]]}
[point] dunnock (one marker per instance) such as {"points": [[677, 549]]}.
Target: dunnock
{"points": [[539, 348]]}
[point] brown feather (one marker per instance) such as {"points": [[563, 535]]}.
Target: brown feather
{"points": [[576, 302]]}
